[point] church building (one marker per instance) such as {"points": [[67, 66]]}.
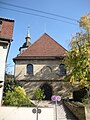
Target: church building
{"points": [[41, 65]]}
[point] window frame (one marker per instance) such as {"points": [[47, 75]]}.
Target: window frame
{"points": [[62, 69], [29, 69]]}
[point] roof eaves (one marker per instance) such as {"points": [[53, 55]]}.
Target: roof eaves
{"points": [[6, 19], [4, 38], [38, 58]]}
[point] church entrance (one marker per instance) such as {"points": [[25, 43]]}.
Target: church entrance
{"points": [[47, 91]]}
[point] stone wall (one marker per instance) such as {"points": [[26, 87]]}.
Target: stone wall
{"points": [[42, 70], [77, 109], [58, 87]]}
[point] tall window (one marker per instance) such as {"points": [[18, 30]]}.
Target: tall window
{"points": [[30, 69], [62, 69]]}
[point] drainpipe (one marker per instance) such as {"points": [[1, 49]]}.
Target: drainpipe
{"points": [[8, 50]]}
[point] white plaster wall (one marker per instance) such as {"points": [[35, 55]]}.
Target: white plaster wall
{"points": [[3, 53], [23, 113]]}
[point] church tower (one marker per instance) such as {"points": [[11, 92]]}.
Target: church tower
{"points": [[26, 44]]}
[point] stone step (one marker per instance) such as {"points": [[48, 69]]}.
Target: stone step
{"points": [[63, 113]]}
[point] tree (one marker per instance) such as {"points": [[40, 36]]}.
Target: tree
{"points": [[85, 22], [78, 58]]}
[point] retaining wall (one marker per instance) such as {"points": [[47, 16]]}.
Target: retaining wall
{"points": [[80, 111], [25, 113]]}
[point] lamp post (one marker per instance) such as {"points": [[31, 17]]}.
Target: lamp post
{"points": [[56, 98]]}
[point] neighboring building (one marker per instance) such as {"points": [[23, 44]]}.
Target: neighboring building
{"points": [[6, 31], [41, 64]]}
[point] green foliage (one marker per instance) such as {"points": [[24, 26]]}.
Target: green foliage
{"points": [[39, 94], [85, 22], [9, 85], [78, 58], [17, 97]]}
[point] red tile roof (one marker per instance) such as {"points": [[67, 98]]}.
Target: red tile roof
{"points": [[6, 30], [44, 46]]}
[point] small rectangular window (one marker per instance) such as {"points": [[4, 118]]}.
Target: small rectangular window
{"points": [[0, 25], [4, 46]]}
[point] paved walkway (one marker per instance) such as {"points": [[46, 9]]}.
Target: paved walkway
{"points": [[62, 112]]}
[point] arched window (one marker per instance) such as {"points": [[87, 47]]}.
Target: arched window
{"points": [[62, 69], [30, 69]]}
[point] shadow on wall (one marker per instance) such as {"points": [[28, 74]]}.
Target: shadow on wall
{"points": [[47, 79], [45, 73]]}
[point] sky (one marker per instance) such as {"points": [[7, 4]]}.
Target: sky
{"points": [[58, 18]]}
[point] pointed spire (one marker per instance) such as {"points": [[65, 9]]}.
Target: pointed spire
{"points": [[27, 42], [28, 35]]}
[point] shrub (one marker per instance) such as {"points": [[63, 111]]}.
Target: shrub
{"points": [[17, 97], [39, 94]]}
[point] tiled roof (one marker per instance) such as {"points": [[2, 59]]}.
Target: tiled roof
{"points": [[44, 46], [6, 29]]}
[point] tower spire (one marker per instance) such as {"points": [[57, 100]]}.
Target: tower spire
{"points": [[27, 42], [28, 36]]}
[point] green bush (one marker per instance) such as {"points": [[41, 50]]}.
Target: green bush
{"points": [[39, 94], [17, 97]]}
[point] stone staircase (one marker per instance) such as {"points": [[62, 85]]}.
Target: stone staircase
{"points": [[62, 112]]}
